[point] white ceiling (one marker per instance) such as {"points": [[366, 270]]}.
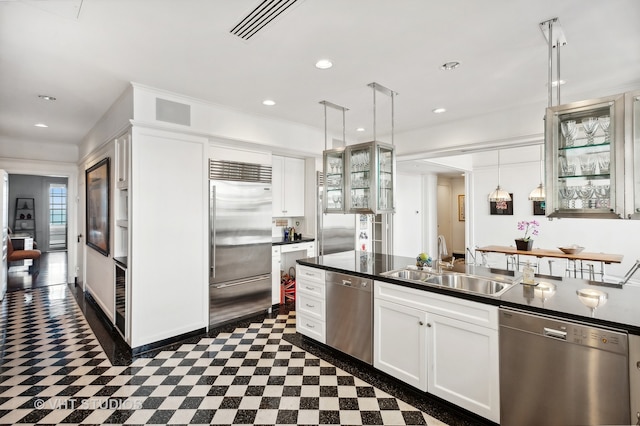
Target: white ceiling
{"points": [[84, 52]]}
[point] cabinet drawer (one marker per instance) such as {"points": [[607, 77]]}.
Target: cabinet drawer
{"points": [[310, 287], [311, 327], [287, 248], [313, 307], [312, 274], [452, 307]]}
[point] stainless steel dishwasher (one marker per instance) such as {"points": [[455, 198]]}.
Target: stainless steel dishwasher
{"points": [[558, 372], [350, 315]]}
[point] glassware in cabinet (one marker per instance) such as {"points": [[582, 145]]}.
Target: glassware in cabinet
{"points": [[334, 181], [370, 179], [585, 165], [386, 179], [360, 162]]}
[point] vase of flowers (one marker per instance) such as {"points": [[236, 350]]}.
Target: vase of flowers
{"points": [[530, 228]]}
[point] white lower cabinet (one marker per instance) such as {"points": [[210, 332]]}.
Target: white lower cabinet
{"points": [[400, 342], [463, 365], [439, 344], [311, 303]]}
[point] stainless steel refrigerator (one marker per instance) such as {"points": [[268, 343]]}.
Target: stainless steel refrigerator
{"points": [[240, 240], [336, 231]]}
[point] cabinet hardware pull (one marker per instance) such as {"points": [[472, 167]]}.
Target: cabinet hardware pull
{"points": [[310, 326], [310, 306], [420, 322], [309, 288], [428, 324]]}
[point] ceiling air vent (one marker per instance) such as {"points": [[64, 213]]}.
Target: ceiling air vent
{"points": [[260, 17]]}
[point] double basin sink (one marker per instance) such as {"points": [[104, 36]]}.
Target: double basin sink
{"points": [[452, 280]]}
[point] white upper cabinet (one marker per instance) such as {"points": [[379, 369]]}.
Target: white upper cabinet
{"points": [[287, 186]]}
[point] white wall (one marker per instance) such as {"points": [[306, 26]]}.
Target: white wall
{"points": [[99, 278], [520, 170], [169, 222], [233, 126], [408, 219]]}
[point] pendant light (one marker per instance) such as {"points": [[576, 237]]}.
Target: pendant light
{"points": [[499, 194], [539, 194]]}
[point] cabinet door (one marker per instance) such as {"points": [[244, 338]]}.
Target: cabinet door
{"points": [[585, 158], [293, 187], [463, 365], [399, 339], [277, 186], [276, 261]]}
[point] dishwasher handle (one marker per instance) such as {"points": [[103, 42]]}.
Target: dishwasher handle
{"points": [[556, 334]]}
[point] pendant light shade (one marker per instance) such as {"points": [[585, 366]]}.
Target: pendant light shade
{"points": [[539, 194], [499, 194]]}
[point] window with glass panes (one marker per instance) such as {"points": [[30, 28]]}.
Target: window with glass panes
{"points": [[57, 205]]}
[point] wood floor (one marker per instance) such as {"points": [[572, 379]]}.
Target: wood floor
{"points": [[52, 271]]}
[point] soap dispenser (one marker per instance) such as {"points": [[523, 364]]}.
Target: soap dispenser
{"points": [[528, 276]]}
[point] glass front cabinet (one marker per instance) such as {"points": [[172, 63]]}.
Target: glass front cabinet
{"points": [[333, 163], [585, 148], [360, 179]]}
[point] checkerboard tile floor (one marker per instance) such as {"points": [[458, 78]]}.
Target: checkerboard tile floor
{"points": [[53, 370]]}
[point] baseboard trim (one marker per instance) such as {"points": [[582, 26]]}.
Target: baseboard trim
{"points": [[201, 332]]}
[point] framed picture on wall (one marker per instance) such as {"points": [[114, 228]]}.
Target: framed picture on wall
{"points": [[461, 208], [97, 198], [539, 208], [501, 207]]}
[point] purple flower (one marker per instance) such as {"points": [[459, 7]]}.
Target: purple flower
{"points": [[529, 228]]}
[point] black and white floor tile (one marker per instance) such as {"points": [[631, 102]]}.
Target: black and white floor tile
{"points": [[54, 371]]}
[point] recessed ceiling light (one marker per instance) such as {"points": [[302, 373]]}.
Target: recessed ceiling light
{"points": [[40, 125], [47, 97], [451, 65], [439, 110], [324, 64], [360, 129], [268, 102], [555, 83]]}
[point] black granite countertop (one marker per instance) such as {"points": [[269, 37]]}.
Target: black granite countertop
{"points": [[122, 260], [553, 296], [280, 241]]}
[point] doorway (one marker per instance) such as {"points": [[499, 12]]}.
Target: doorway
{"points": [[451, 218], [50, 218]]}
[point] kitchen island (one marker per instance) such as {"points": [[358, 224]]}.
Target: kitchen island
{"points": [[445, 341], [620, 310]]}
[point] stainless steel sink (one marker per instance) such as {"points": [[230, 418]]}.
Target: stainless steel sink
{"points": [[470, 283], [409, 274], [452, 280]]}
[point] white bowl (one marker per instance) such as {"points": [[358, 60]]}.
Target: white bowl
{"points": [[573, 249]]}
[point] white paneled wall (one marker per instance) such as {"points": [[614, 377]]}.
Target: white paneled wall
{"points": [[407, 221]]}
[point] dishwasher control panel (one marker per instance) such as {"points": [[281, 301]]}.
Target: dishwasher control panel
{"points": [[567, 331]]}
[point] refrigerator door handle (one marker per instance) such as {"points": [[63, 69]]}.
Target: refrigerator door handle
{"points": [[212, 227], [235, 283]]}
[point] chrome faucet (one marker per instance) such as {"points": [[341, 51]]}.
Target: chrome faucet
{"points": [[472, 256], [630, 272]]}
